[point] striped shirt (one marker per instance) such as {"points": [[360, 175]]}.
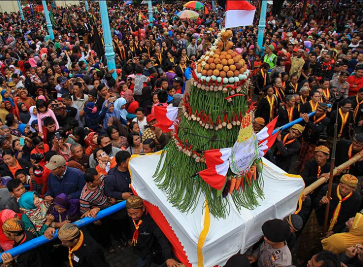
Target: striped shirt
{"points": [[94, 198]]}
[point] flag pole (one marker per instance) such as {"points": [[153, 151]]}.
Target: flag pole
{"points": [[331, 175]]}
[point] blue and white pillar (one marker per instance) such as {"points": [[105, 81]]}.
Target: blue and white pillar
{"points": [[47, 18], [109, 53], [262, 26], [20, 10], [150, 7]]}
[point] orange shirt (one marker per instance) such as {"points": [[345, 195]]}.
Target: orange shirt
{"points": [[103, 171], [14, 169]]}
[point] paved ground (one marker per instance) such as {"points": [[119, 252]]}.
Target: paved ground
{"points": [[122, 257]]}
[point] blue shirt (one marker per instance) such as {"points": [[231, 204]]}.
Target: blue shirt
{"points": [[71, 184]]}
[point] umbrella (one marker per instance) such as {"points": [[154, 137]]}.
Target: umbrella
{"points": [[194, 5], [188, 14], [128, 3]]}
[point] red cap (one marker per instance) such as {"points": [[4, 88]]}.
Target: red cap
{"points": [[295, 50], [150, 118]]}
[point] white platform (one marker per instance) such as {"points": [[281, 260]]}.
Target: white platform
{"points": [[227, 236]]}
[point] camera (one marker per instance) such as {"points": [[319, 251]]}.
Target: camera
{"points": [[37, 157]]}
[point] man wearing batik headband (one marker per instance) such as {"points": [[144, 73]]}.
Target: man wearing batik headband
{"points": [[14, 230], [317, 168], [287, 145], [258, 124], [147, 236], [344, 203], [314, 126], [346, 150], [83, 250]]}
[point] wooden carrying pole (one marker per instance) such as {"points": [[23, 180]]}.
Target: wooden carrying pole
{"points": [[331, 172], [322, 180]]}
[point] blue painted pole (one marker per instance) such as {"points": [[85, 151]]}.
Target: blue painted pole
{"points": [[290, 124], [262, 26], [20, 10], [47, 18], [109, 53], [150, 7], [213, 5], [41, 240], [86, 4]]}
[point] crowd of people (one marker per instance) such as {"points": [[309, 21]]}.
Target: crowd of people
{"points": [[68, 127]]}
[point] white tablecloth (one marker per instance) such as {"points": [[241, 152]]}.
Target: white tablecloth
{"points": [[227, 236]]}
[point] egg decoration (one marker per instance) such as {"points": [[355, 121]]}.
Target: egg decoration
{"points": [[203, 78], [219, 79], [236, 79], [225, 80], [231, 79], [199, 75], [244, 76], [214, 78], [207, 79]]}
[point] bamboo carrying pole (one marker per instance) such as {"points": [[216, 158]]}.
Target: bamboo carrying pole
{"points": [[322, 180]]}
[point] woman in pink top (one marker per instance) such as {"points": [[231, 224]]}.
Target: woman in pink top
{"points": [[44, 112]]}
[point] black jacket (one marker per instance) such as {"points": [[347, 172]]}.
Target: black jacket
{"points": [[342, 155], [284, 116], [4, 169], [347, 127], [312, 131], [263, 109], [90, 254], [359, 115], [32, 258], [310, 173], [349, 207], [284, 153], [151, 239]]}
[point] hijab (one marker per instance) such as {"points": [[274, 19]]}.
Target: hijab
{"points": [[37, 215], [3, 113], [118, 104], [32, 116], [129, 96], [108, 115], [338, 243], [72, 212], [5, 243], [7, 98], [21, 128], [24, 116]]}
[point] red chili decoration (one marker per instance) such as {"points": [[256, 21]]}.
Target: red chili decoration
{"points": [[228, 97], [230, 86], [219, 120]]}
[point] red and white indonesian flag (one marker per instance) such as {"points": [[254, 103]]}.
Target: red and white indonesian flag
{"points": [[265, 137], [217, 167], [239, 13], [165, 117]]}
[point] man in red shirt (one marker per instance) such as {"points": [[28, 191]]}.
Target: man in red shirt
{"points": [[355, 81]]}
